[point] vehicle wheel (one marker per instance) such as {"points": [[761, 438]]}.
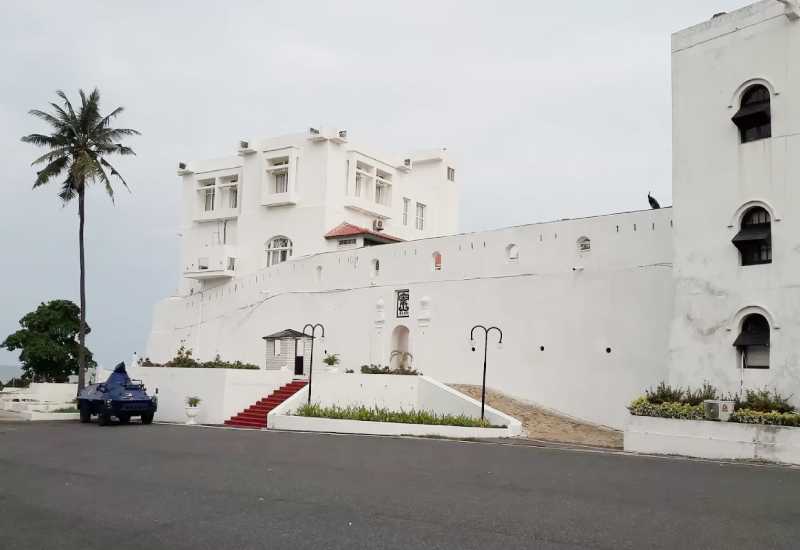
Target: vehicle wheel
{"points": [[124, 418], [104, 419], [147, 418], [86, 413]]}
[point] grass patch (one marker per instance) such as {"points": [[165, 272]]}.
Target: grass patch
{"points": [[377, 414]]}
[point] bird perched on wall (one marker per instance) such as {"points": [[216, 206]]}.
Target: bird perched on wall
{"points": [[653, 202]]}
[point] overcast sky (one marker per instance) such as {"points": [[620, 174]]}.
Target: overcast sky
{"points": [[551, 109]]}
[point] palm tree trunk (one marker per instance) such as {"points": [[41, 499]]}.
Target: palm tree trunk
{"points": [[82, 328]]}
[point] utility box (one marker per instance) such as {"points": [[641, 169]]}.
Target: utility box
{"points": [[718, 409]]}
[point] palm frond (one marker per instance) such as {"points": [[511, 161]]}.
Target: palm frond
{"points": [[114, 172], [53, 169], [43, 140], [52, 155]]}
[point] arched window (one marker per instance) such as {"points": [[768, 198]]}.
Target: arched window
{"points": [[279, 249], [437, 261], [753, 342], [512, 252], [754, 239], [584, 244], [754, 117]]}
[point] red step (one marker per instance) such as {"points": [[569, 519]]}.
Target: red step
{"points": [[255, 416]]}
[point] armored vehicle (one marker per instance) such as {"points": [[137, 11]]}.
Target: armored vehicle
{"points": [[119, 396]]}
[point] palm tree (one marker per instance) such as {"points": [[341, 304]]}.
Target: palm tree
{"points": [[78, 144]]}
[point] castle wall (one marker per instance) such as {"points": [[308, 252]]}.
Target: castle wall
{"points": [[560, 309]]}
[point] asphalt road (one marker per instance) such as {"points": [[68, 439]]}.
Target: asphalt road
{"points": [[75, 486]]}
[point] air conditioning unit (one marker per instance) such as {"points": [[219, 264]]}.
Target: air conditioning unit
{"points": [[405, 166], [718, 409], [377, 225], [340, 137]]}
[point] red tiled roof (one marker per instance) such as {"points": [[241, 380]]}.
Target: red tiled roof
{"points": [[345, 229]]}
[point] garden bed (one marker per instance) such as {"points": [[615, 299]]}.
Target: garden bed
{"points": [[377, 414]]}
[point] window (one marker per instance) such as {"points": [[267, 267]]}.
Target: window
{"points": [[753, 342], [451, 173], [347, 242], [754, 117], [231, 264], [376, 268], [406, 202], [279, 249], [382, 193], [512, 253], [754, 239], [437, 261], [584, 244], [281, 182], [233, 197], [208, 203], [202, 263], [359, 185], [420, 216]]}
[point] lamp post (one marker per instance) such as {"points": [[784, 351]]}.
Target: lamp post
{"points": [[486, 332], [313, 328]]}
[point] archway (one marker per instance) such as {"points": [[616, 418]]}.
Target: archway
{"points": [[400, 355]]}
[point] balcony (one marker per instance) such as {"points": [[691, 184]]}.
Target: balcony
{"points": [[368, 206], [289, 197], [218, 262], [216, 214]]}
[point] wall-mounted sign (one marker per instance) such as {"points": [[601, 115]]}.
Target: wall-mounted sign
{"points": [[402, 303]]}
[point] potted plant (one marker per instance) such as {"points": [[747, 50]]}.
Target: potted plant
{"points": [[192, 410], [331, 359]]}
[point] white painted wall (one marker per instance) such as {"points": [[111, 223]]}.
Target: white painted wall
{"points": [[224, 392], [392, 392], [715, 440], [617, 296], [714, 177]]}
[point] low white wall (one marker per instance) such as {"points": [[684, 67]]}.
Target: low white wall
{"points": [[223, 392], [717, 440], [389, 391], [60, 393], [392, 392]]}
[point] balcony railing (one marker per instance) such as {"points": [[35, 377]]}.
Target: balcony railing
{"points": [[216, 263]]}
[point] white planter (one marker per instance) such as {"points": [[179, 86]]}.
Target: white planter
{"points": [[707, 439], [191, 414]]}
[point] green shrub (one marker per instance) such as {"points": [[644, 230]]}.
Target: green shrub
{"points": [[183, 360], [643, 407], [377, 369], [773, 418], [696, 397], [377, 414], [764, 401], [664, 393], [331, 359]]}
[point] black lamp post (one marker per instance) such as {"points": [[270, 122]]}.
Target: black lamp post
{"points": [[313, 328], [486, 332]]}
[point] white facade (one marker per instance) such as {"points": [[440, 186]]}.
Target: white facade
{"points": [[593, 310], [717, 178], [278, 198]]}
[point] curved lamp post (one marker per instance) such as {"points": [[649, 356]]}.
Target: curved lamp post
{"points": [[313, 328], [486, 332]]}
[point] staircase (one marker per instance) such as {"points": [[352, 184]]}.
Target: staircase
{"points": [[255, 416]]}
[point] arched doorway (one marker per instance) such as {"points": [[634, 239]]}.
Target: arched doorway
{"points": [[400, 355]]}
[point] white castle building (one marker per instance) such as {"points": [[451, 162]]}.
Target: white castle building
{"points": [[592, 310]]}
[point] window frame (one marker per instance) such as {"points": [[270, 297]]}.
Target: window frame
{"points": [[282, 253], [420, 217]]}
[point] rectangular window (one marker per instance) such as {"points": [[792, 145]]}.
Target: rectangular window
{"points": [[281, 182], [209, 200], [359, 185], [231, 264], [233, 197], [347, 242], [420, 216], [451, 173], [202, 263], [406, 202], [383, 194]]}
